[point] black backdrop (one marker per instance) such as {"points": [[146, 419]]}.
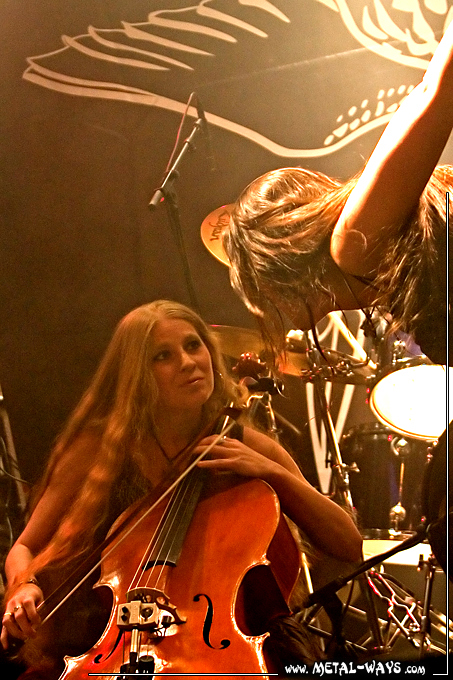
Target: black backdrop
{"points": [[88, 122]]}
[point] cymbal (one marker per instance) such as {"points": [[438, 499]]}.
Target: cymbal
{"points": [[340, 368], [236, 341], [211, 232]]}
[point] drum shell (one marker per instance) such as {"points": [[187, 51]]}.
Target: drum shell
{"points": [[437, 489], [375, 487]]}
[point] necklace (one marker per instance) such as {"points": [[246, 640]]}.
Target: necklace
{"points": [[170, 460]]}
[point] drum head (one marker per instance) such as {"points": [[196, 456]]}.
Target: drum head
{"points": [[413, 401]]}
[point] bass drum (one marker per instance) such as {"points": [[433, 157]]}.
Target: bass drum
{"points": [[437, 488], [410, 397], [379, 453]]}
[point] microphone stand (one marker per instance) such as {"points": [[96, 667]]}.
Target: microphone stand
{"points": [[11, 463], [12, 492], [261, 391], [166, 193]]}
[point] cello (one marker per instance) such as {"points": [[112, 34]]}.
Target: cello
{"points": [[199, 597]]}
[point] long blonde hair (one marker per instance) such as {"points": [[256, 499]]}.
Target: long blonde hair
{"points": [[118, 406]]}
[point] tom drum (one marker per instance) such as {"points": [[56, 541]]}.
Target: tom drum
{"points": [[378, 485], [411, 398]]}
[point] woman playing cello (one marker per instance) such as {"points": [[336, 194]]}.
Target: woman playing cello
{"points": [[160, 381]]}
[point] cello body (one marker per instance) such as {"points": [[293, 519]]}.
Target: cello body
{"points": [[238, 565]]}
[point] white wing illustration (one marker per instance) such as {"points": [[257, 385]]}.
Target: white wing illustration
{"points": [[400, 32], [106, 63]]}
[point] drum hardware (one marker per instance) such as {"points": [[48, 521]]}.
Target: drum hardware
{"points": [[401, 449], [398, 351], [390, 612], [336, 319], [403, 617], [309, 364], [322, 594], [437, 504], [395, 611], [430, 569], [330, 366]]}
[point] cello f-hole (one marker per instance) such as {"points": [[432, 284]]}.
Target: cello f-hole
{"points": [[208, 623]]}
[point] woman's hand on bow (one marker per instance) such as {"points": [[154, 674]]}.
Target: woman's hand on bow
{"points": [[21, 617]]}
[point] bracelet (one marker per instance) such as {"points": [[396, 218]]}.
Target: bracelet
{"points": [[34, 581]]}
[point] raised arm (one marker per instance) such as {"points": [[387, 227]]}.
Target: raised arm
{"points": [[399, 167]]}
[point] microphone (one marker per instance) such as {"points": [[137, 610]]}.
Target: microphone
{"points": [[205, 128]]}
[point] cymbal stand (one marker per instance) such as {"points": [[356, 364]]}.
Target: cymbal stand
{"points": [[261, 389], [340, 471], [402, 609], [340, 476]]}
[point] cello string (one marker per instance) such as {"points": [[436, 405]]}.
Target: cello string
{"points": [[188, 488], [127, 533], [164, 527], [161, 530], [187, 491], [154, 538]]}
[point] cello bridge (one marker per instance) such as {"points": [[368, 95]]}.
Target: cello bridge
{"points": [[147, 609]]}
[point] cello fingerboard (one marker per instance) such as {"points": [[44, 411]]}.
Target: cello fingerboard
{"points": [[176, 520]]}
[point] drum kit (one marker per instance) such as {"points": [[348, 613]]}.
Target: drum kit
{"points": [[393, 467]]}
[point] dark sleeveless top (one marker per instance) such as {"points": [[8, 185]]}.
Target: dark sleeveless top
{"points": [[130, 485]]}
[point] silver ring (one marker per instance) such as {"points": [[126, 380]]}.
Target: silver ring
{"points": [[9, 613], [19, 606]]}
